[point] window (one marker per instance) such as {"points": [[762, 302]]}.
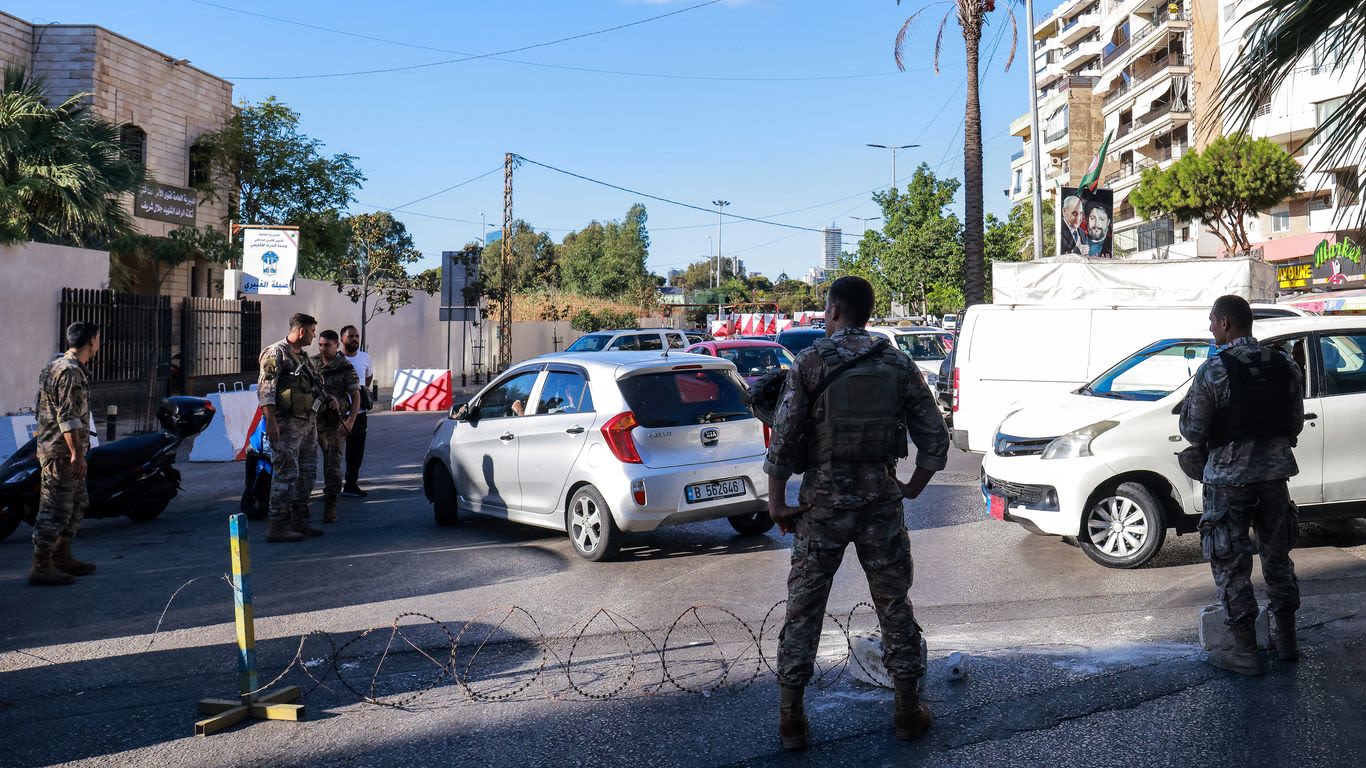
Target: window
{"points": [[1295, 348], [593, 342], [1152, 373], [133, 144], [679, 398], [199, 166], [1280, 221], [1323, 112], [757, 361], [508, 398], [637, 342], [564, 392], [1344, 363], [677, 341], [1347, 187], [921, 346]]}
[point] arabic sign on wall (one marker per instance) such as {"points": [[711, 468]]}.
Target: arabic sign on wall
{"points": [[162, 202], [1333, 266], [270, 258]]}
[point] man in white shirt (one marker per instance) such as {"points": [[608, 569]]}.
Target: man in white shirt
{"points": [[355, 441]]}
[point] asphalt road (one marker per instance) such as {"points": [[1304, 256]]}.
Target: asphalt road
{"points": [[564, 662]]}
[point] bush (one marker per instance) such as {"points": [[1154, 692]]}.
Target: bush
{"points": [[588, 321]]}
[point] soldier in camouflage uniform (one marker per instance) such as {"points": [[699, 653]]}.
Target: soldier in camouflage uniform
{"points": [[290, 396], [1245, 482], [341, 404], [844, 502], [63, 437]]}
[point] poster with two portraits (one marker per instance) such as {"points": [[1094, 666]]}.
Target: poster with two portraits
{"points": [[1084, 222]]}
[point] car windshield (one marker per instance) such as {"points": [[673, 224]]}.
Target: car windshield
{"points": [[921, 346], [796, 341], [1153, 372], [680, 398], [593, 342], [756, 361]]}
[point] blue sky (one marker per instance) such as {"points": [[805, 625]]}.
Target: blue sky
{"points": [[728, 128]]}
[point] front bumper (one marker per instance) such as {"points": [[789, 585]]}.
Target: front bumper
{"points": [[665, 500], [1046, 496]]}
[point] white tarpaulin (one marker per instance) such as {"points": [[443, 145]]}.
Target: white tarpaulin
{"points": [[1122, 282]]}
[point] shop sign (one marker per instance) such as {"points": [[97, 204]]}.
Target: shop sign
{"points": [[1336, 263]]}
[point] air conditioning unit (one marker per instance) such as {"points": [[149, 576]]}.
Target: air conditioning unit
{"points": [[1055, 162]]}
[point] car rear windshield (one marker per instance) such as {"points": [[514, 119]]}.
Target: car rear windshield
{"points": [[756, 361], [796, 341], [593, 342], [679, 398], [921, 346]]}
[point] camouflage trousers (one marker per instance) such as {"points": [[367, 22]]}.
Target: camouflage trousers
{"points": [[294, 462], [1230, 512], [61, 505], [879, 537], [332, 441]]}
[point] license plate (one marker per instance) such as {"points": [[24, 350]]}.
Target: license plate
{"points": [[719, 489], [996, 506]]}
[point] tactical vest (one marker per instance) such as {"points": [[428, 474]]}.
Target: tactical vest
{"points": [[298, 391], [861, 424], [1260, 402]]}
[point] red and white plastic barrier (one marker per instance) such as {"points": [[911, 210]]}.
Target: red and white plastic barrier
{"points": [[236, 415], [422, 389]]}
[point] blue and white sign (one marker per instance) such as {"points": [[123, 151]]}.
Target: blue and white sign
{"points": [[270, 259]]}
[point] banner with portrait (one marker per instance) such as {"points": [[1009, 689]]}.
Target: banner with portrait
{"points": [[1085, 220]]}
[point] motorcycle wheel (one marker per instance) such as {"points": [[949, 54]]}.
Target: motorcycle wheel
{"points": [[148, 510], [10, 517]]}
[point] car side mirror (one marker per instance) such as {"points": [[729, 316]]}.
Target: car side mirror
{"points": [[459, 411], [1176, 409]]}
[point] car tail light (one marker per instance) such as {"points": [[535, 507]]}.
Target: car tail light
{"points": [[956, 390], [617, 433], [638, 492], [768, 436]]}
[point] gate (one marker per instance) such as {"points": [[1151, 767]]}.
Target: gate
{"points": [[135, 335], [220, 337]]}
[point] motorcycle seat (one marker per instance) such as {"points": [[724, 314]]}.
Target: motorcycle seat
{"points": [[127, 453]]}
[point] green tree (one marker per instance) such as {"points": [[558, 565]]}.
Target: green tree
{"points": [[1233, 178], [274, 174], [161, 255], [701, 275], [61, 169], [919, 245], [535, 260], [608, 260], [972, 17], [1013, 239], [374, 270], [795, 296]]}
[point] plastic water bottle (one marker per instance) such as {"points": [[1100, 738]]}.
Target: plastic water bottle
{"points": [[958, 666]]}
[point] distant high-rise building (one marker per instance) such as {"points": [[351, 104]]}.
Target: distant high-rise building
{"points": [[675, 277], [833, 243]]}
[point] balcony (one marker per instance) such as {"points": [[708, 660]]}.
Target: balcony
{"points": [[1049, 138], [1173, 108], [1078, 27], [1115, 53], [1017, 156], [1118, 93], [1162, 22], [1080, 52]]}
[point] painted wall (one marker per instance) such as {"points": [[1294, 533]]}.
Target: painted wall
{"points": [[32, 277]]}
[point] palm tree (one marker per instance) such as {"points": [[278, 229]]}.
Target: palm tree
{"points": [[1284, 36], [972, 17], [62, 169]]}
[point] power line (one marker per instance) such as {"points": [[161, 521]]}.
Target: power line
{"points": [[448, 189], [482, 55]]}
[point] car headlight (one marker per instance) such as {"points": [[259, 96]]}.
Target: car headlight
{"points": [[1077, 444], [21, 476]]}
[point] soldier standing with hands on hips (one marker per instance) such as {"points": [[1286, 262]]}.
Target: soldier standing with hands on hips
{"points": [[355, 439], [291, 396], [63, 437], [842, 418], [341, 406], [1243, 414]]}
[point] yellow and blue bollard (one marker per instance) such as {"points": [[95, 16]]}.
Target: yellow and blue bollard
{"points": [[271, 706]]}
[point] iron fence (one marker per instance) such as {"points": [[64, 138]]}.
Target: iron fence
{"points": [[135, 336], [220, 337]]}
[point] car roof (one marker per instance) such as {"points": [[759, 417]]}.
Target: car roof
{"points": [[619, 364], [905, 329], [802, 330], [737, 343]]}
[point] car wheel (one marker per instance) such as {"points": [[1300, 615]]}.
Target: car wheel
{"points": [[591, 528], [445, 502], [10, 517], [1123, 528], [753, 524]]}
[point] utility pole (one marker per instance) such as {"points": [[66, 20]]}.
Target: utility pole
{"points": [[894, 148], [1034, 164], [505, 304], [720, 205]]}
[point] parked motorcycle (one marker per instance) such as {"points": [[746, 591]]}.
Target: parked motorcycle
{"points": [[260, 471], [135, 476]]}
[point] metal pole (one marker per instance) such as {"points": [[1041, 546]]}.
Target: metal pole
{"points": [[1035, 165], [893, 167], [505, 305], [720, 204]]}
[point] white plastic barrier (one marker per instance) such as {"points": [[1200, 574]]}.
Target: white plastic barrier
{"points": [[225, 439], [422, 389]]}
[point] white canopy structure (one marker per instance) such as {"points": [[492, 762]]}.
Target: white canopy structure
{"points": [[1079, 280]]}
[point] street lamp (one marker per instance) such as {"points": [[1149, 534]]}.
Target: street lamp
{"points": [[865, 220], [720, 204], [894, 148]]}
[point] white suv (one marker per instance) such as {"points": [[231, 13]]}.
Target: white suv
{"points": [[1100, 464], [641, 340], [595, 445]]}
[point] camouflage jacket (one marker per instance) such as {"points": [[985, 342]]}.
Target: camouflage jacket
{"points": [[851, 485], [63, 406], [1241, 462], [279, 365], [339, 380]]}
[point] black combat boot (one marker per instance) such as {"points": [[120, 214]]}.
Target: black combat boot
{"points": [[64, 562], [792, 726], [1287, 644], [912, 718], [1243, 657]]}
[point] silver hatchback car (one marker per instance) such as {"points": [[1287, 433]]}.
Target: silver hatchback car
{"points": [[600, 444]]}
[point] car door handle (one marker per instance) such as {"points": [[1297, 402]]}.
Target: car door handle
{"points": [[506, 436], [1309, 416], [575, 430]]}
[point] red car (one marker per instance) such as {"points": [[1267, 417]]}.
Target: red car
{"points": [[752, 358]]}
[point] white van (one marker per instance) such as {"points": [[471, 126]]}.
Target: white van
{"points": [[1010, 355]]}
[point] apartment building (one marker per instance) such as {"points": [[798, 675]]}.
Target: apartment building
{"points": [[1152, 85], [163, 103]]}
